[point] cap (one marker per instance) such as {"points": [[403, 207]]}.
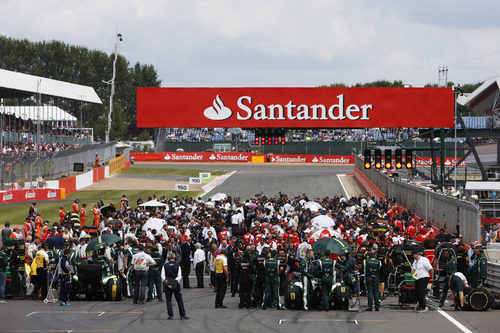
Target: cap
{"points": [[416, 252]]}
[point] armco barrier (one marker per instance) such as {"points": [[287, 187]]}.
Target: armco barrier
{"points": [[31, 195], [84, 180], [441, 210], [241, 157], [368, 185], [69, 184], [98, 174]]}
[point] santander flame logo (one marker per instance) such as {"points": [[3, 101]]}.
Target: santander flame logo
{"points": [[218, 111]]}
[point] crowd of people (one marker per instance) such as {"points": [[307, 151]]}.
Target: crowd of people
{"points": [[254, 247], [16, 148]]}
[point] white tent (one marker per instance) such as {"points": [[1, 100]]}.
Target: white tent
{"points": [[32, 84], [313, 206], [153, 203], [154, 224], [218, 197], [323, 222], [43, 113]]}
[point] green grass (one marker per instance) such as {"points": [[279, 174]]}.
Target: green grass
{"points": [[173, 172], [17, 213]]}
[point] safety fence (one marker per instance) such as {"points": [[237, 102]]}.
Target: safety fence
{"points": [[493, 277], [117, 164], [32, 169], [242, 157], [454, 215]]}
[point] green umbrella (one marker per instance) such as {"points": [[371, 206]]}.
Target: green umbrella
{"points": [[335, 245], [101, 242]]}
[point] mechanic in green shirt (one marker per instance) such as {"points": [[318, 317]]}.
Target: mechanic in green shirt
{"points": [[4, 262]]}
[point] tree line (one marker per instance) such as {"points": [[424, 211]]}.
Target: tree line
{"points": [[80, 65]]}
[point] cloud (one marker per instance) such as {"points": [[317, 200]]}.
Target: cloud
{"points": [[276, 43]]}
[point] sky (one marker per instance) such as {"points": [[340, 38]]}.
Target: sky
{"points": [[233, 43]]}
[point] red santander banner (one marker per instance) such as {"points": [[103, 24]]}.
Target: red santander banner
{"points": [[319, 159], [29, 195], [295, 107], [193, 157], [448, 161]]}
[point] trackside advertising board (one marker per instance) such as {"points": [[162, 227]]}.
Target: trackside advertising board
{"points": [[295, 107], [239, 157]]}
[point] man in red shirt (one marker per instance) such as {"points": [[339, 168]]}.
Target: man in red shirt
{"points": [[247, 238]]}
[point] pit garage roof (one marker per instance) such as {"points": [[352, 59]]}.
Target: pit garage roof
{"points": [[47, 113], [482, 186], [14, 82], [481, 100]]}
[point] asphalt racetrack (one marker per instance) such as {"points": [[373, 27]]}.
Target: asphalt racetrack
{"points": [[248, 180], [269, 179]]}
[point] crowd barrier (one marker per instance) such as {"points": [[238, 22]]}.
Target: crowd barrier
{"points": [[241, 157], [11, 196], [58, 189], [117, 164]]}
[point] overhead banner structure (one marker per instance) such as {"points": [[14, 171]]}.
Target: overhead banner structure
{"points": [[295, 107]]}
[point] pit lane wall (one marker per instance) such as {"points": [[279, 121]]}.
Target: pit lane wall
{"points": [[242, 157], [441, 210]]}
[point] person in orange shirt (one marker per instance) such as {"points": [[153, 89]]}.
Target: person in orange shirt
{"points": [[83, 215], [38, 224], [28, 229], [75, 206], [62, 213], [97, 215]]}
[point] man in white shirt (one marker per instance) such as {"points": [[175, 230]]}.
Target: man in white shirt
{"points": [[199, 264], [420, 269], [237, 219]]}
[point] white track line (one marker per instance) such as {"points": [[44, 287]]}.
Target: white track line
{"points": [[343, 187], [216, 182], [454, 321]]}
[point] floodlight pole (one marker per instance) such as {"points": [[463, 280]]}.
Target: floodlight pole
{"points": [[112, 82]]}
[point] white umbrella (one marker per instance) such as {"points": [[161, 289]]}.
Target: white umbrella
{"points": [[313, 206], [153, 203], [154, 224], [323, 222], [326, 233], [218, 197]]}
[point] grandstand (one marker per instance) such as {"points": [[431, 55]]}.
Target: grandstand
{"points": [[172, 135], [32, 134]]}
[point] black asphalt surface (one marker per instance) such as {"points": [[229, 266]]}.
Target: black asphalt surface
{"points": [[269, 179], [124, 316], [316, 181]]}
